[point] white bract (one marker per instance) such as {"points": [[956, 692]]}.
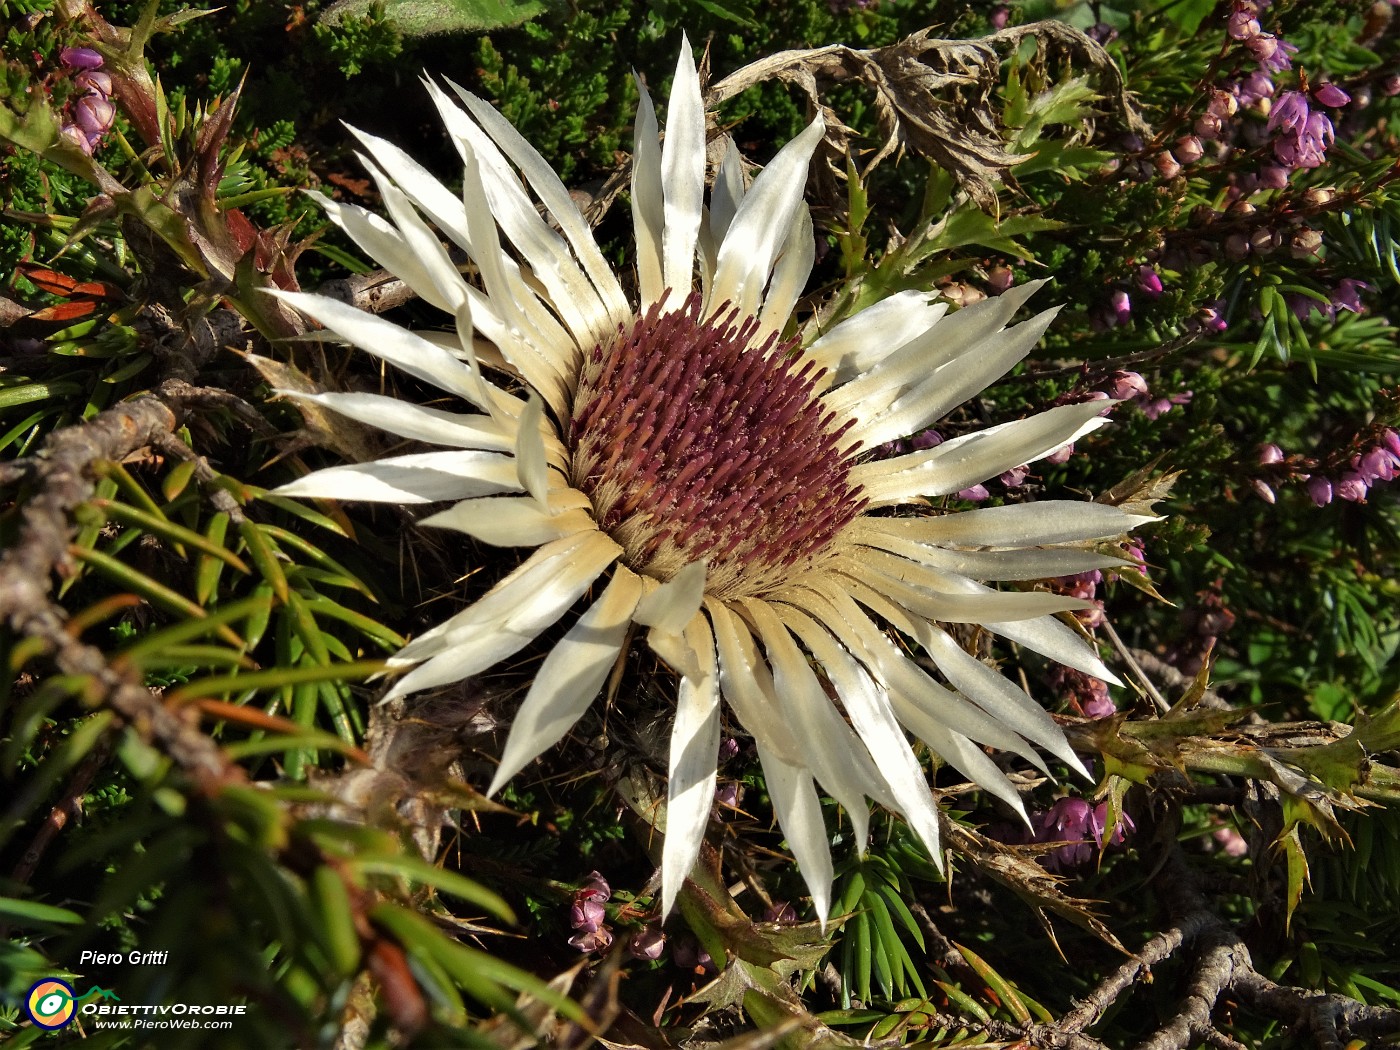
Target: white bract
{"points": [[702, 478]]}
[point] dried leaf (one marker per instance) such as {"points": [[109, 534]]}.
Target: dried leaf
{"points": [[934, 97]]}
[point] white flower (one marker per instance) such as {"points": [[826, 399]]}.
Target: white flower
{"points": [[708, 479]]}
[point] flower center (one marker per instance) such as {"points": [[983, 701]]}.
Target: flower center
{"points": [[694, 445]]}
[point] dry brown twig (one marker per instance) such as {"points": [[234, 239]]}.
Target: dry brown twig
{"points": [[63, 476]]}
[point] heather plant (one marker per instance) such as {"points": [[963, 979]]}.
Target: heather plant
{"points": [[222, 788]]}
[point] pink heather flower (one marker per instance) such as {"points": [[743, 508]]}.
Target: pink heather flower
{"points": [[1375, 465], [974, 494], [1352, 487], [728, 794], [647, 943], [1269, 454], [586, 915], [1212, 317], [1290, 112], [1060, 455], [1015, 477], [728, 748], [1149, 282], [1319, 490], [1001, 14], [77, 137], [1081, 827], [593, 940], [1230, 841], [1273, 177], [1331, 95], [80, 58], [1271, 53], [1162, 405], [1391, 440]]}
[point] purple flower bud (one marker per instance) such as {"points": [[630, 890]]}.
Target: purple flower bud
{"points": [[1237, 246], [592, 941], [926, 440], [728, 793], [1391, 440], [1121, 306], [1212, 319], [1100, 706], [1331, 95], [596, 888], [1269, 454], [1352, 487], [780, 912], [1390, 86], [1208, 126], [1319, 490], [1061, 455], [647, 943], [1167, 166], [1125, 386], [975, 494], [94, 114], [1148, 281], [94, 80], [1242, 25], [688, 955], [728, 748], [1273, 177], [1258, 85], [77, 137], [1001, 14], [586, 915], [999, 279], [1188, 149], [1224, 105], [80, 58], [1347, 295]]}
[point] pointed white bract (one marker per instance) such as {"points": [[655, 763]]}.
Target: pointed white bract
{"points": [[692, 479]]}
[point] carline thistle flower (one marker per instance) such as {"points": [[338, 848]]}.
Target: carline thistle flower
{"points": [[710, 478]]}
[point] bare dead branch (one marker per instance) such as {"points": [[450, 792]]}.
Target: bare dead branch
{"points": [[63, 473]]}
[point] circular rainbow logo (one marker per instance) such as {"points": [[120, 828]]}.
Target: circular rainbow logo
{"points": [[50, 1003]]}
